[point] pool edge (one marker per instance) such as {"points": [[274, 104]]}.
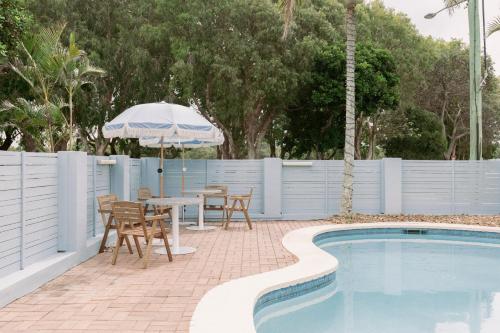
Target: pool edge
{"points": [[229, 307]]}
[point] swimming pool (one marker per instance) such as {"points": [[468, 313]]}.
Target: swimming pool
{"points": [[393, 280]]}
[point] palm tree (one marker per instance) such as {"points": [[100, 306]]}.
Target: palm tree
{"points": [[350, 107], [40, 68], [494, 26], [75, 71], [287, 9], [48, 66]]}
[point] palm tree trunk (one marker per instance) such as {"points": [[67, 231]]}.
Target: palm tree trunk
{"points": [[346, 208]]}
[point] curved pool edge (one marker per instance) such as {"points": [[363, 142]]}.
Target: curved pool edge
{"points": [[229, 307]]}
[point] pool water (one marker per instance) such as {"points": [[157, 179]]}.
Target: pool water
{"points": [[394, 282]]}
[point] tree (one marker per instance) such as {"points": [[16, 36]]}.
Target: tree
{"points": [[494, 26], [350, 110], [128, 39], [75, 74], [15, 22], [234, 65], [39, 67], [315, 124], [414, 134]]}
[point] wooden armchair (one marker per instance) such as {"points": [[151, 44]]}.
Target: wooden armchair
{"points": [[143, 194], [240, 203], [221, 197], [109, 222], [131, 221]]}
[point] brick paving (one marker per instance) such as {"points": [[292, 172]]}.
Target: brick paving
{"points": [[98, 297]]}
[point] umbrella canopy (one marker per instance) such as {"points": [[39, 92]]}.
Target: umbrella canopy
{"points": [[163, 121], [160, 120]]}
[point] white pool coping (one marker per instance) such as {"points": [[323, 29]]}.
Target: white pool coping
{"points": [[229, 307]]}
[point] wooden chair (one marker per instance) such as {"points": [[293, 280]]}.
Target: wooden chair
{"points": [[131, 221], [220, 206], [244, 202], [109, 222], [143, 194]]}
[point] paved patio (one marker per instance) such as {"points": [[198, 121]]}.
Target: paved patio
{"points": [[98, 297]]}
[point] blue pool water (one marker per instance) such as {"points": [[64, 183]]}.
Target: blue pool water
{"points": [[395, 281]]}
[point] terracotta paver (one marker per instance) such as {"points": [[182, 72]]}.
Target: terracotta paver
{"points": [[98, 297]]}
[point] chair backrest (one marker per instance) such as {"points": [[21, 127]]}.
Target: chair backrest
{"points": [[249, 196], [223, 189], [144, 193], [105, 201], [129, 214]]}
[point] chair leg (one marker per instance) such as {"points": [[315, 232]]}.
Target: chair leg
{"points": [[138, 246], [148, 251], [127, 241], [230, 214], [119, 240], [165, 240], [106, 232], [245, 212]]}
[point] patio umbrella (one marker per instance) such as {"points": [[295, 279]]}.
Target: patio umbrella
{"points": [[154, 142], [161, 120]]}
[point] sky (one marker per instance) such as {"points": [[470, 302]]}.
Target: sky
{"points": [[448, 27]]}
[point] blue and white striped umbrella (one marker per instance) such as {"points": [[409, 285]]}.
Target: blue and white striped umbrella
{"points": [[161, 120]]}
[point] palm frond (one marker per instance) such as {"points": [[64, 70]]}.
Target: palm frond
{"points": [[494, 26], [452, 5]]}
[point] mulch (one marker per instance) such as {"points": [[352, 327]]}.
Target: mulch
{"points": [[491, 220]]}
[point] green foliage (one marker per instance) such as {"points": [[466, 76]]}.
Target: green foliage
{"points": [[14, 21], [418, 138], [233, 63], [316, 124]]}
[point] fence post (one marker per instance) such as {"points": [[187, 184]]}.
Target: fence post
{"points": [[72, 200], [391, 196], [23, 206], [272, 187], [120, 177]]}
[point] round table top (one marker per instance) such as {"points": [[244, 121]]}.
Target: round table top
{"points": [[173, 201], [202, 191]]}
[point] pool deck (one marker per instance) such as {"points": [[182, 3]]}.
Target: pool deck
{"points": [[98, 297]]}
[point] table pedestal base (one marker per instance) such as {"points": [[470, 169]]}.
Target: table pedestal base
{"points": [[180, 250], [201, 228]]}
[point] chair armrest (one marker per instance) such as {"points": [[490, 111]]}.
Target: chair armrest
{"points": [[239, 197], [105, 211], [156, 217]]}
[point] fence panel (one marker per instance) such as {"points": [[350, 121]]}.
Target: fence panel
{"points": [[304, 190], [239, 176], [427, 186], [135, 177], [10, 214], [40, 206], [28, 218], [98, 183]]}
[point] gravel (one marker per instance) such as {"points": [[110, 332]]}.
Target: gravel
{"points": [[491, 220]]}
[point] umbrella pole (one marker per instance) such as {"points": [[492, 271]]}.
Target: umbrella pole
{"points": [[183, 168], [161, 168], [182, 181]]}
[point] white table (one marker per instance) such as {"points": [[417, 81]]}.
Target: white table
{"points": [[201, 195], [175, 203]]}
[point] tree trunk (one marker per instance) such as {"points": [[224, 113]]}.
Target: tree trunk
{"points": [[346, 208], [9, 138], [357, 138], [29, 142], [372, 139]]}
